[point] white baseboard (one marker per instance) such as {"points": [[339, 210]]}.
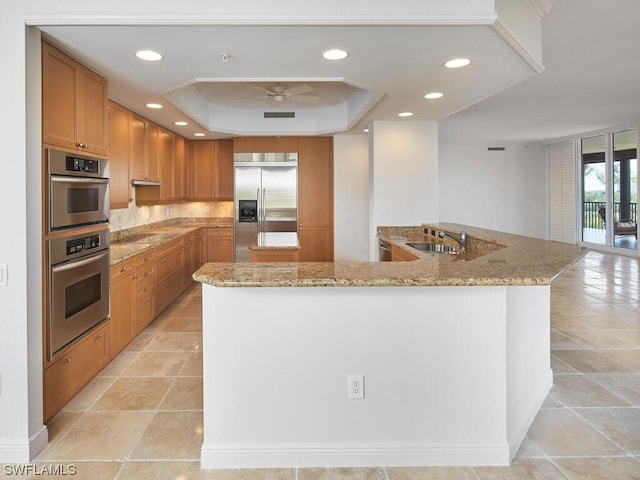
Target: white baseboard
{"points": [[248, 456], [16, 451]]}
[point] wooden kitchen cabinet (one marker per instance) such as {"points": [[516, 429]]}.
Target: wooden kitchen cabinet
{"points": [[315, 199], [74, 104], [144, 149], [211, 170], [165, 162], [74, 368], [143, 290], [119, 144], [219, 244], [122, 328], [192, 257], [179, 168], [265, 144], [169, 273]]}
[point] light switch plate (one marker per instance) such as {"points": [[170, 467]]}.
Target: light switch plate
{"points": [[4, 275]]}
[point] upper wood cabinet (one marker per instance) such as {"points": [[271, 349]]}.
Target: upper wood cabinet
{"points": [[165, 161], [145, 163], [211, 170], [74, 104], [315, 199], [265, 144], [179, 168], [119, 149]]}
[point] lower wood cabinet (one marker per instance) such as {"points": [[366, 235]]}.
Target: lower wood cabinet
{"points": [[74, 369], [169, 271], [219, 244], [122, 325], [275, 255]]}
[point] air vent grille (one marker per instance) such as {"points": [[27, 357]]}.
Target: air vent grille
{"points": [[279, 114], [496, 149]]}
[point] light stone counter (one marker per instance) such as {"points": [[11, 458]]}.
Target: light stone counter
{"points": [[494, 258], [454, 351], [127, 243], [275, 241]]}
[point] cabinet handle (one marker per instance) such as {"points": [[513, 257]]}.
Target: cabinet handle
{"points": [[66, 360], [99, 336], [123, 269], [146, 274], [165, 260], [134, 276], [82, 145], [146, 289], [147, 300]]}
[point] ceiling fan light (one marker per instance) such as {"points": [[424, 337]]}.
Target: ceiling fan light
{"points": [[149, 55], [457, 62], [335, 54]]}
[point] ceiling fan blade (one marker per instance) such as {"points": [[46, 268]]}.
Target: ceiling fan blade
{"points": [[262, 89], [304, 98], [298, 90]]}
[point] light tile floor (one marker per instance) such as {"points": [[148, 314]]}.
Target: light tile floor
{"points": [[141, 418]]}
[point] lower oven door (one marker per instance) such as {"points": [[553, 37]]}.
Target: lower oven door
{"points": [[79, 298]]}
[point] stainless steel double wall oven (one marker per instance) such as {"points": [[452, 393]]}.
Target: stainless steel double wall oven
{"points": [[77, 245]]}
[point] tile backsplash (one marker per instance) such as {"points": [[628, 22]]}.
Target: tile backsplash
{"points": [[135, 216]]}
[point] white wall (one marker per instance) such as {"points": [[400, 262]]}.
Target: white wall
{"points": [[351, 198], [504, 191], [403, 175]]}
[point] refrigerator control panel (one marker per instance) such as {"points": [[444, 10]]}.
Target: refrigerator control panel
{"points": [[247, 210]]}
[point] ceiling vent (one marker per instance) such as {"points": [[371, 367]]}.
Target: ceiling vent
{"points": [[279, 114], [496, 149]]}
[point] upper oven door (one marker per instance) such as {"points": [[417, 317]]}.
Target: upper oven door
{"points": [[76, 201], [79, 297]]}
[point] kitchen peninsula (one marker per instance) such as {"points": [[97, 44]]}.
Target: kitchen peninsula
{"points": [[454, 352]]}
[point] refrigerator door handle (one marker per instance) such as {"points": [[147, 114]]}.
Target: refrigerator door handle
{"points": [[264, 209], [258, 211]]}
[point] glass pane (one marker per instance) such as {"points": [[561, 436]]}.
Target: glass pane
{"points": [[625, 192], [593, 189]]}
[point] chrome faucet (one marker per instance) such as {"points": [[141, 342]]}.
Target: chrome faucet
{"points": [[462, 239]]}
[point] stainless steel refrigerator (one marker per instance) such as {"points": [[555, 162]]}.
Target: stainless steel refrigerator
{"points": [[265, 197]]}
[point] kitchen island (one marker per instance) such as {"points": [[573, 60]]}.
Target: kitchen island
{"points": [[453, 349]]}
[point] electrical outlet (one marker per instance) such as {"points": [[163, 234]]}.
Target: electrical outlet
{"points": [[4, 275], [356, 387]]}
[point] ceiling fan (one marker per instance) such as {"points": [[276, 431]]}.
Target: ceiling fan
{"points": [[279, 93]]}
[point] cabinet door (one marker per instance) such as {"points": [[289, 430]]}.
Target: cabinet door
{"points": [[179, 168], [121, 323], [219, 245], [59, 80], [201, 159], [92, 112], [165, 159], [119, 185], [137, 150], [151, 139], [315, 199], [223, 176]]}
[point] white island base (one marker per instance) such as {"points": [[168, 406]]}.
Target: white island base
{"points": [[453, 375]]}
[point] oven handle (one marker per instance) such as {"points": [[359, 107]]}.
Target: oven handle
{"points": [[62, 179], [79, 263]]}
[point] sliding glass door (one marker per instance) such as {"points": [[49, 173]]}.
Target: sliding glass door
{"points": [[609, 189]]}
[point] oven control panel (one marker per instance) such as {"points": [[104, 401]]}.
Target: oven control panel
{"points": [[85, 165], [83, 244]]}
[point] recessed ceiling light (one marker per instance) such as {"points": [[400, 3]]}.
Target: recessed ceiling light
{"points": [[366, 130], [153, 105], [457, 63], [433, 95], [405, 114], [180, 123], [198, 134], [149, 55], [335, 54]]}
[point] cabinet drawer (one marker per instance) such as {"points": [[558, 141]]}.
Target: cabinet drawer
{"points": [[145, 258], [74, 368], [168, 264], [167, 291], [164, 250], [143, 285], [220, 232], [122, 270]]}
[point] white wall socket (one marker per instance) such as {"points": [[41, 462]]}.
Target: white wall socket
{"points": [[356, 387], [4, 275]]}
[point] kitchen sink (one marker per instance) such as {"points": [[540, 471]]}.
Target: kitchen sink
{"points": [[434, 248]]}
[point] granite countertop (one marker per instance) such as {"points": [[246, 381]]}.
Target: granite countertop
{"points": [[493, 259], [275, 241], [133, 241]]}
